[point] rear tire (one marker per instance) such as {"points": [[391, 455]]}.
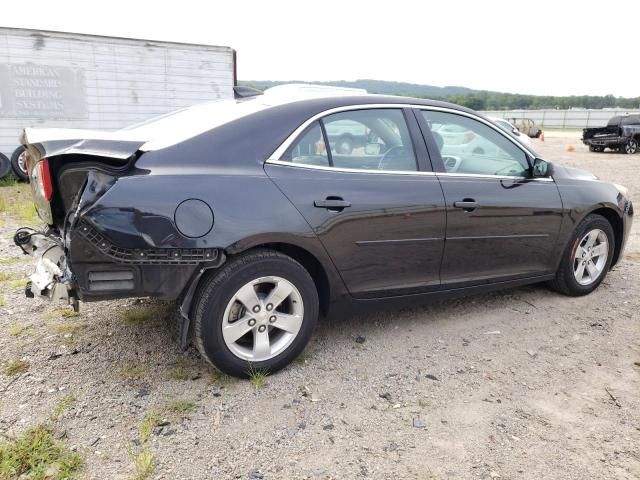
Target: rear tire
{"points": [[582, 267], [630, 147], [18, 163], [243, 300]]}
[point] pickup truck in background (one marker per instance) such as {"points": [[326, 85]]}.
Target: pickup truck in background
{"points": [[621, 133]]}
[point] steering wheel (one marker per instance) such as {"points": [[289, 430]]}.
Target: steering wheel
{"points": [[393, 153]]}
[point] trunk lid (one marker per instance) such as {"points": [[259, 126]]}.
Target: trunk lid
{"points": [[50, 148]]}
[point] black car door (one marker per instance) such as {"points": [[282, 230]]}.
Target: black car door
{"points": [[380, 218], [502, 223]]}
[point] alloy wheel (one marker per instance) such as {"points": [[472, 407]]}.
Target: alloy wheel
{"points": [[631, 147], [262, 319], [590, 257]]}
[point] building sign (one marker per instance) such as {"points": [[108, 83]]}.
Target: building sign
{"points": [[42, 91]]}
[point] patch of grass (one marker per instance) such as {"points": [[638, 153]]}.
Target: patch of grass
{"points": [[63, 312], [216, 377], [131, 370], [183, 370], [15, 367], [65, 404], [10, 260], [145, 464], [257, 376], [36, 455], [69, 327], [18, 330], [18, 283], [181, 407], [8, 181], [423, 403], [145, 313], [149, 422], [5, 277], [2, 302]]}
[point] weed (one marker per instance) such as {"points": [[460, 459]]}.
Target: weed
{"points": [[4, 277], [18, 283], [10, 260], [8, 181], [181, 407], [216, 377], [69, 327], [131, 370], [17, 330], [15, 367], [151, 420], [423, 403], [257, 376], [2, 302], [64, 404], [37, 456], [183, 370], [145, 463], [145, 313]]}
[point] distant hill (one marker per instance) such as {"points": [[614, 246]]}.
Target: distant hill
{"points": [[376, 86], [475, 99]]}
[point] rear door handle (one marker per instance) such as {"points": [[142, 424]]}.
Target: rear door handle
{"points": [[336, 204], [468, 204]]}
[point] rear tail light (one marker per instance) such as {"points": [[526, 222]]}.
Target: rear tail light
{"points": [[44, 179], [468, 136]]}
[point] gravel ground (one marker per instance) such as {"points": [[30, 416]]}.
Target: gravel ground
{"points": [[517, 384]]}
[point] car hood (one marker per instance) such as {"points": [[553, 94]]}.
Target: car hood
{"points": [[561, 171]]}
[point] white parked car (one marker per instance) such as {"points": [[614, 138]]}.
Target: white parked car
{"points": [[508, 127]]}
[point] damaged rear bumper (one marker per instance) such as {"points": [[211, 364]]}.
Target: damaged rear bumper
{"points": [[51, 278]]}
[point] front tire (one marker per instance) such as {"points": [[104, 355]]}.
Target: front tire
{"points": [[587, 258], [256, 313]]}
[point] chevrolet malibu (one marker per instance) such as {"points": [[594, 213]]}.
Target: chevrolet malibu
{"points": [[245, 214]]}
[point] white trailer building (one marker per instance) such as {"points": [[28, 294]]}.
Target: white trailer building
{"points": [[70, 80]]}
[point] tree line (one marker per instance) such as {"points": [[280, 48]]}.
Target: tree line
{"points": [[475, 99], [514, 101]]}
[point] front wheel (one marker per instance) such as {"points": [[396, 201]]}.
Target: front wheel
{"points": [[596, 148], [587, 258], [256, 313]]}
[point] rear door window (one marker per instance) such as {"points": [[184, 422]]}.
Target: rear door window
{"points": [[370, 139]]}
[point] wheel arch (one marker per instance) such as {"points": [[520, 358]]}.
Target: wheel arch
{"points": [[311, 264], [614, 218]]}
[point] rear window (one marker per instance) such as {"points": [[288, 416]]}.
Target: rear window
{"points": [[183, 124]]}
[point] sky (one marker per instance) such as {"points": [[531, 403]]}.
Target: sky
{"points": [[536, 47]]}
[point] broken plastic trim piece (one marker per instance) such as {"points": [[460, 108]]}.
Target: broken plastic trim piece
{"points": [[158, 256]]}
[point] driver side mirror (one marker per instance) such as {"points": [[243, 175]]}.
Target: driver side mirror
{"points": [[541, 168]]}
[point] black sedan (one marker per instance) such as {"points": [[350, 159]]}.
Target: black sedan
{"points": [[255, 223]]}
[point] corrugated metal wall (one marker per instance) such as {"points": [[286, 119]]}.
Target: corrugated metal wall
{"points": [[564, 119], [83, 81]]}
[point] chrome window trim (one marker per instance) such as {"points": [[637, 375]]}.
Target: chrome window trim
{"points": [[403, 172], [349, 170], [275, 157]]}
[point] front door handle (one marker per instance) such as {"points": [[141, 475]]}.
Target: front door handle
{"points": [[468, 204], [335, 204]]}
